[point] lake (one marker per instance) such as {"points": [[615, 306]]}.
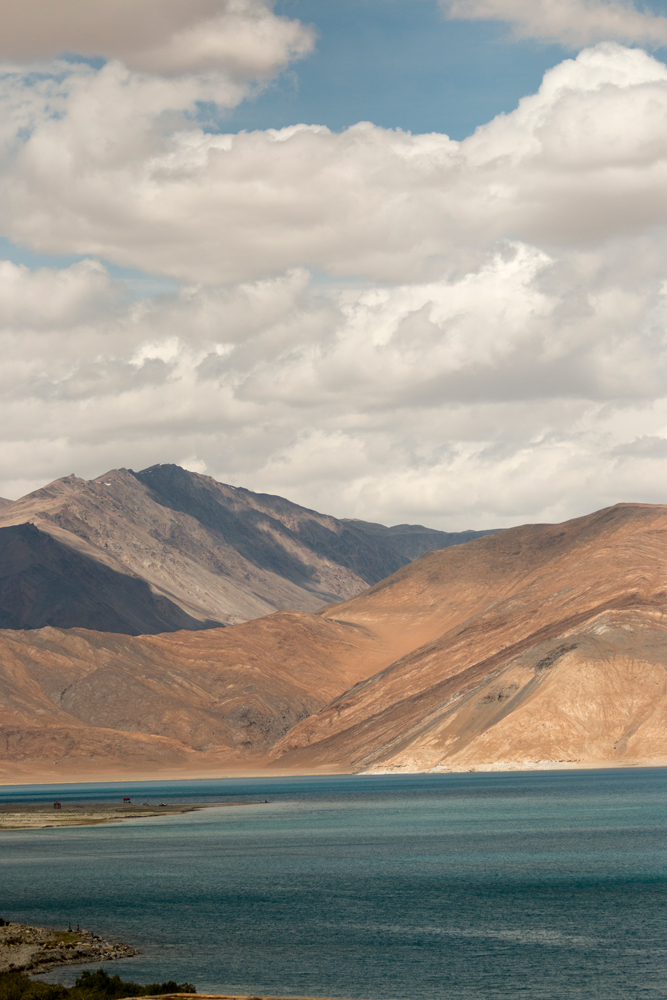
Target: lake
{"points": [[535, 885]]}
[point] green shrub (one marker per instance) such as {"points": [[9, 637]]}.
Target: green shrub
{"points": [[19, 986], [88, 986], [100, 984]]}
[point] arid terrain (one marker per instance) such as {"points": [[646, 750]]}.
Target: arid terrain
{"points": [[166, 549], [546, 643], [18, 816], [543, 645], [80, 700]]}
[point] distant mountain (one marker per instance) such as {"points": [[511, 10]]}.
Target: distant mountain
{"points": [[44, 580], [166, 549], [5, 503], [543, 645], [410, 541]]}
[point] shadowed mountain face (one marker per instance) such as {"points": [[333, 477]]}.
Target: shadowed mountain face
{"points": [[273, 534], [43, 582], [410, 541], [181, 551], [540, 644]]}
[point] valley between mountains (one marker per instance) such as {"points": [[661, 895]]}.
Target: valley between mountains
{"points": [[162, 624]]}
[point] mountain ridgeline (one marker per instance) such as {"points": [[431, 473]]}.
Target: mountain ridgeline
{"points": [[542, 645], [165, 549], [346, 646]]}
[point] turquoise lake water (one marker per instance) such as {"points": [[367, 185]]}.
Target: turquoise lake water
{"points": [[541, 886]]}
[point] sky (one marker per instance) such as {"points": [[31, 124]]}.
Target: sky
{"points": [[402, 260]]}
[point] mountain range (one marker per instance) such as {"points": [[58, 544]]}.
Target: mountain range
{"points": [[541, 645], [165, 549]]}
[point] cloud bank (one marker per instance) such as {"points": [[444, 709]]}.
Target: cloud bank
{"points": [[579, 162], [243, 39], [377, 324], [573, 23]]}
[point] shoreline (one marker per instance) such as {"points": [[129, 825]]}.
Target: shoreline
{"points": [[500, 767], [226, 996], [34, 950], [527, 767], [18, 816], [37, 950]]}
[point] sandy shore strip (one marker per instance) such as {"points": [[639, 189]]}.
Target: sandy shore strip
{"points": [[226, 996], [15, 816]]}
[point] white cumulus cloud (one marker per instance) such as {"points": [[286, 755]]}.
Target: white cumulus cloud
{"points": [[115, 174], [571, 22], [504, 393], [373, 323]]}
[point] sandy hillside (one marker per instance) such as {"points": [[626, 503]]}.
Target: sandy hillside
{"points": [[76, 701], [543, 643]]}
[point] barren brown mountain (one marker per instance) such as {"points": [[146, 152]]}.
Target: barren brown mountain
{"points": [[82, 702], [166, 549], [543, 644]]}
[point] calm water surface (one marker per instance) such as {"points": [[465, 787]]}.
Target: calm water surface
{"points": [[542, 886]]}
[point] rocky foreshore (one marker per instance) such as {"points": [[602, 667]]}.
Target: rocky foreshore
{"points": [[38, 949]]}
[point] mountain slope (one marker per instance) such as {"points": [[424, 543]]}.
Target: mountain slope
{"points": [[82, 702], [540, 644], [210, 554], [44, 582], [508, 663]]}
